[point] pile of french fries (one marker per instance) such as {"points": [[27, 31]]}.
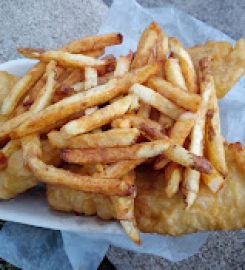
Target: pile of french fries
{"points": [[105, 116]]}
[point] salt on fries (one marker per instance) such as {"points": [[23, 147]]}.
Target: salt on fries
{"points": [[81, 123]]}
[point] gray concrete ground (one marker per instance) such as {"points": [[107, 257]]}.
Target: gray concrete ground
{"points": [[49, 23]]}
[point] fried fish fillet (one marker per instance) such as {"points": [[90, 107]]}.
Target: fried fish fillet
{"points": [[228, 63], [156, 213], [16, 178]]}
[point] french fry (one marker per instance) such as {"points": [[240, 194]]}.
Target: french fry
{"points": [[173, 176], [110, 60], [165, 121], [156, 100], [21, 87], [95, 53], [45, 95], [109, 155], [214, 181], [131, 230], [186, 64], [213, 139], [78, 87], [91, 110], [93, 43], [77, 103], [174, 74], [178, 134], [162, 47], [105, 78], [120, 168], [175, 153], [192, 178], [144, 110], [161, 51], [63, 58], [101, 117], [51, 175], [187, 100], [124, 206], [151, 59], [123, 65], [8, 126], [136, 121], [91, 77], [146, 43], [110, 138]]}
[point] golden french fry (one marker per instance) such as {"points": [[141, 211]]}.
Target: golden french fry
{"points": [[156, 100], [101, 117], [51, 175], [165, 121], [182, 127], [131, 230], [173, 176], [192, 178], [214, 141], [77, 103], [109, 155], [21, 87], [151, 59], [186, 64], [123, 65], [174, 74], [31, 96], [146, 43], [105, 78], [91, 110], [8, 126], [179, 132], [144, 110], [45, 95], [63, 58], [120, 168], [124, 206], [176, 152], [95, 53], [92, 43], [187, 100], [91, 77], [56, 176], [136, 121], [161, 47], [110, 138], [214, 181]]}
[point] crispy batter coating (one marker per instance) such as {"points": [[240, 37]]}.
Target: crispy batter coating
{"points": [[156, 213]]}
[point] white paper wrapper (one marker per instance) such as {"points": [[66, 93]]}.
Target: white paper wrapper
{"points": [[86, 239]]}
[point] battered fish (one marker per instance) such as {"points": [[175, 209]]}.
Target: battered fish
{"points": [[155, 213]]}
